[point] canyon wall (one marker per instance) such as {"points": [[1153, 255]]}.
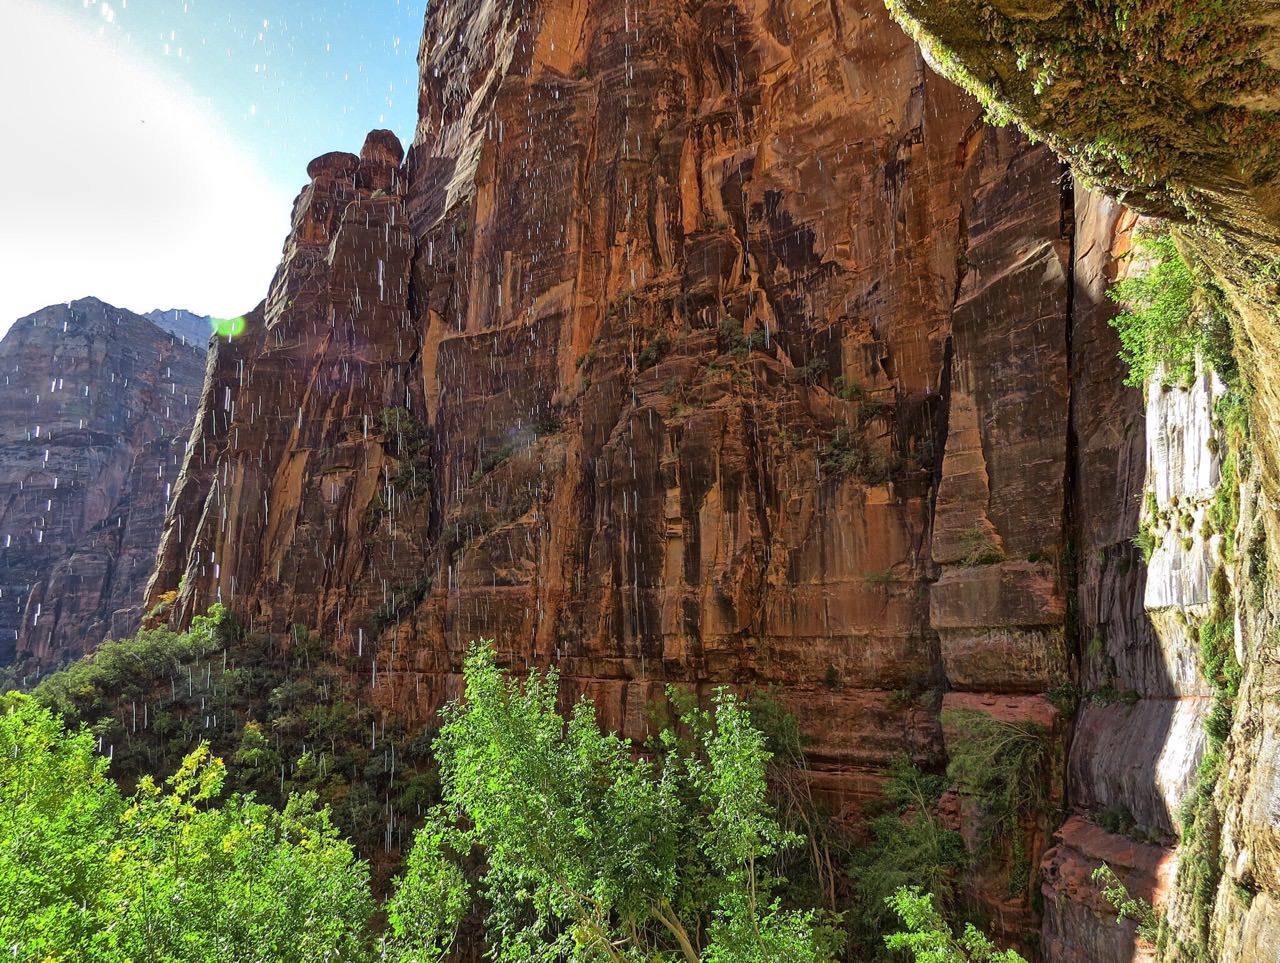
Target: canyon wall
{"points": [[703, 343], [95, 407]]}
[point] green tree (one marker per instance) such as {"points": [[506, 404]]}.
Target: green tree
{"points": [[1172, 316], [929, 939], [168, 874], [236, 881], [589, 853], [58, 818]]}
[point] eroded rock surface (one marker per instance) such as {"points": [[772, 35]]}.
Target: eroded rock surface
{"points": [[693, 344], [95, 407]]}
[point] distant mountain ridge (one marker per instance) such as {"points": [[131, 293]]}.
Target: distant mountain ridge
{"points": [[96, 404], [186, 324]]}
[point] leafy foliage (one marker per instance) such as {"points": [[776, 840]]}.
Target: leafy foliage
{"points": [[165, 875], [929, 939], [1000, 764], [849, 452], [1167, 320], [908, 845], [288, 717], [653, 352], [980, 548], [589, 853], [408, 440], [1127, 906]]}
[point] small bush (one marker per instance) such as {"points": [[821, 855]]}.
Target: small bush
{"points": [[849, 453], [736, 341], [929, 938], [400, 601], [1000, 764], [908, 845], [409, 441], [653, 352], [980, 549], [1126, 906], [1171, 317]]}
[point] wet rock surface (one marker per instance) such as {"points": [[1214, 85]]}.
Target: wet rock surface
{"points": [[95, 408]]}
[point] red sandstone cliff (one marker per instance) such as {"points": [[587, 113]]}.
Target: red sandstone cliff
{"points": [[95, 405], [694, 343]]}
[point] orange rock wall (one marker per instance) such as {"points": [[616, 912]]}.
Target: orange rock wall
{"points": [[750, 354]]}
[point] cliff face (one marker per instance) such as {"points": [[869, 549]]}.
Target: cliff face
{"points": [[698, 344], [94, 409], [744, 350], [1172, 106]]}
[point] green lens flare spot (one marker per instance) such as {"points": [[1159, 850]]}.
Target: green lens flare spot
{"points": [[228, 327]]}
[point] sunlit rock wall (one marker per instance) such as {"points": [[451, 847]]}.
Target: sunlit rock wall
{"points": [[750, 355], [95, 405], [274, 513]]}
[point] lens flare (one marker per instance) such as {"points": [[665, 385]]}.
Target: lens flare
{"points": [[228, 327]]}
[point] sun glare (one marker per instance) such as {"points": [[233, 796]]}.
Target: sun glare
{"points": [[127, 187]]}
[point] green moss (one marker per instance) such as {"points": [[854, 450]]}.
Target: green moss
{"points": [[1200, 866], [1065, 698], [1144, 98], [1108, 696]]}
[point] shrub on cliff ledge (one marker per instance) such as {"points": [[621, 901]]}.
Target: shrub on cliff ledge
{"points": [[1170, 317], [1000, 764], [592, 854], [908, 845]]}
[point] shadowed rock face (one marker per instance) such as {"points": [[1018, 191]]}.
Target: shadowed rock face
{"points": [[95, 406], [748, 355], [1173, 105]]}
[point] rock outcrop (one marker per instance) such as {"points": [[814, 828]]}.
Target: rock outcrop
{"points": [[95, 408], [1172, 106]]}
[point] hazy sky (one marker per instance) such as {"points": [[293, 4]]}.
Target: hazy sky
{"points": [[152, 148]]}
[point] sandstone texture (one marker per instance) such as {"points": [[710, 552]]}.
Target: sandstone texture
{"points": [[702, 344], [95, 408], [1172, 106]]}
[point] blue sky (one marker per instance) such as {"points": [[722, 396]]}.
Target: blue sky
{"points": [[176, 133]]}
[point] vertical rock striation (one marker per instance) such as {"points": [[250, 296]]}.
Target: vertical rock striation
{"points": [[94, 407], [698, 344]]}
